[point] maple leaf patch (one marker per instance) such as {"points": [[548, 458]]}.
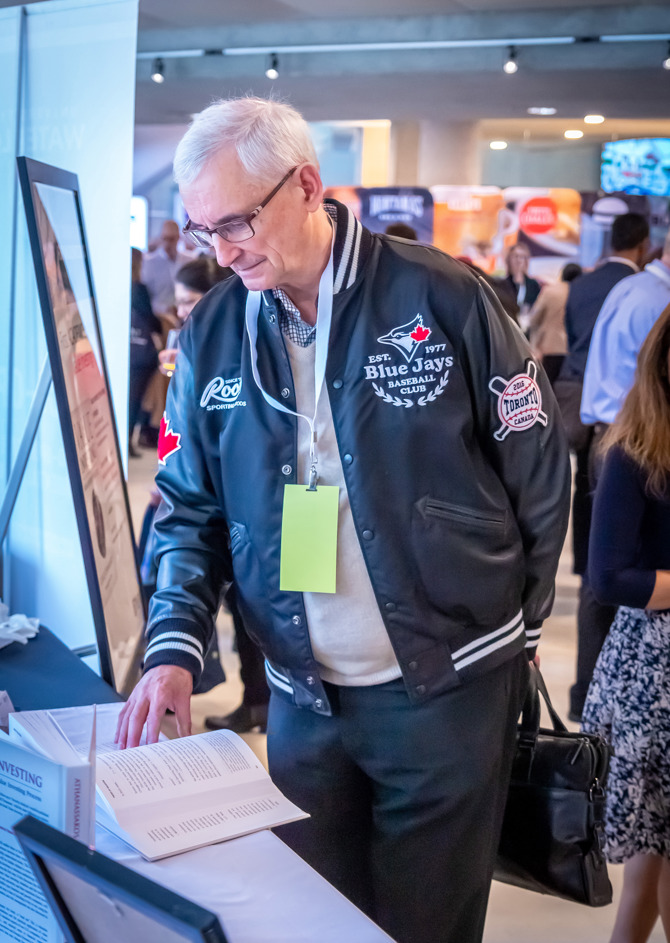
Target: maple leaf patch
{"points": [[168, 441], [421, 333]]}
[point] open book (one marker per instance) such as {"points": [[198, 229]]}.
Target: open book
{"points": [[175, 795]]}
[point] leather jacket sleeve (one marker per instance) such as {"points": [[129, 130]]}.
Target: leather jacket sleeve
{"points": [[532, 461], [192, 545]]}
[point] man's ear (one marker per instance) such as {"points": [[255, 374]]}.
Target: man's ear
{"points": [[309, 180]]}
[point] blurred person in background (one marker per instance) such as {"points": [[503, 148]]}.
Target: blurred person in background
{"points": [[145, 339], [586, 296], [526, 289], [628, 701], [546, 330], [402, 230], [159, 272], [192, 282]]}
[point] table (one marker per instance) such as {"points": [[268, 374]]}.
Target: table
{"points": [[261, 891], [44, 673]]}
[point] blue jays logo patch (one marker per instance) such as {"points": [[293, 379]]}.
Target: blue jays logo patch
{"points": [[419, 375], [407, 338]]}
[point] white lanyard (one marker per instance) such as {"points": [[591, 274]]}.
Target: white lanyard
{"points": [[324, 316]]}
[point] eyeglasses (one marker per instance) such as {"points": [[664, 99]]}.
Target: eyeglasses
{"points": [[238, 229]]}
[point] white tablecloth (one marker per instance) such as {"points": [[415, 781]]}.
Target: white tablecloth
{"points": [[261, 891]]}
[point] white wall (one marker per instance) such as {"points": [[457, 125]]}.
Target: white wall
{"points": [[77, 114]]}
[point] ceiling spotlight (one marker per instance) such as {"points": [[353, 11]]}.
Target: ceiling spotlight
{"points": [[573, 135], [541, 110], [498, 145], [272, 70], [511, 66], [666, 61], [594, 119], [157, 71]]}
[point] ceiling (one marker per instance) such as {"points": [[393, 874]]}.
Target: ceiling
{"points": [[621, 80], [618, 79]]}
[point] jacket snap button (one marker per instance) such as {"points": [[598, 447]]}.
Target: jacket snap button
{"points": [[318, 702], [296, 620], [368, 534], [337, 384], [421, 689], [413, 665], [348, 459], [272, 319], [390, 607], [285, 392], [286, 469], [309, 679]]}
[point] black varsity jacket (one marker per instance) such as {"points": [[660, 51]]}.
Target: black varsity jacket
{"points": [[453, 454]]}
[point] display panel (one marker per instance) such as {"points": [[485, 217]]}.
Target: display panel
{"points": [[97, 900], [639, 165], [83, 396]]}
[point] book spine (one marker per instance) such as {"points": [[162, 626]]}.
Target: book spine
{"points": [[76, 782]]}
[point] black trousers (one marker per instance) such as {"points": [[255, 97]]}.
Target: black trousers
{"points": [[406, 801]]}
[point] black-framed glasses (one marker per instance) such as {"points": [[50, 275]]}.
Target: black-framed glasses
{"points": [[238, 229]]}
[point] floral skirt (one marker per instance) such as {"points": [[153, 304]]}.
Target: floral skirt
{"points": [[629, 704]]}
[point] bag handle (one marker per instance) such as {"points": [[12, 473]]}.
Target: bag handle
{"points": [[530, 714]]}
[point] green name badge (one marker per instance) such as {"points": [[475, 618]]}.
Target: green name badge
{"points": [[309, 539]]}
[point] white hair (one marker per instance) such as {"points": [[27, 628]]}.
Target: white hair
{"points": [[269, 137]]}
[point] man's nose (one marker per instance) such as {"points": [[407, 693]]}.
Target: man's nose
{"points": [[226, 252]]}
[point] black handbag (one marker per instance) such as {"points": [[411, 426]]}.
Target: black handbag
{"points": [[553, 822]]}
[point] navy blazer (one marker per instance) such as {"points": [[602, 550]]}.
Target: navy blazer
{"points": [[585, 299]]}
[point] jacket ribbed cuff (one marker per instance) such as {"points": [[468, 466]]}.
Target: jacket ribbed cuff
{"points": [[173, 642]]}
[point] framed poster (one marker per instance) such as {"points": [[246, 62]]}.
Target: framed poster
{"points": [[98, 900], [83, 397]]}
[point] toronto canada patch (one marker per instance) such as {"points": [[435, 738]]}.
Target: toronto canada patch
{"points": [[416, 377], [519, 402]]}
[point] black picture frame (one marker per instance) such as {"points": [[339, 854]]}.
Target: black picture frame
{"points": [[88, 423], [90, 894]]}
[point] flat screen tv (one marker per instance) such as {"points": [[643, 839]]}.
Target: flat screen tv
{"points": [[638, 165]]}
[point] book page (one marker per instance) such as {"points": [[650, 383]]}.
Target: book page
{"points": [[75, 723], [144, 776], [39, 731], [170, 797]]}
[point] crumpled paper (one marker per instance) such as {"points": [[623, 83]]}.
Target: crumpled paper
{"points": [[16, 628]]}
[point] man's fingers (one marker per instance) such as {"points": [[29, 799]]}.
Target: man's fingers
{"points": [[136, 724], [122, 726], [182, 710]]}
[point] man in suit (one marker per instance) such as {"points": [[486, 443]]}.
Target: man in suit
{"points": [[630, 240]]}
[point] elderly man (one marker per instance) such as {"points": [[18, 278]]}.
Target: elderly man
{"points": [[357, 435]]}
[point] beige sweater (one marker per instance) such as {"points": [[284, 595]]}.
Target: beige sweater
{"points": [[348, 636]]}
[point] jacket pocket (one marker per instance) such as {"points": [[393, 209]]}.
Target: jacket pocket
{"points": [[470, 561]]}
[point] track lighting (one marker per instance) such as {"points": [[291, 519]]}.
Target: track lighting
{"points": [[157, 72], [511, 65], [272, 70]]}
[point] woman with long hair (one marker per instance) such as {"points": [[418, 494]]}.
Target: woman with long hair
{"points": [[629, 698]]}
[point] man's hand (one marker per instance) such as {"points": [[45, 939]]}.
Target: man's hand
{"points": [[165, 687]]}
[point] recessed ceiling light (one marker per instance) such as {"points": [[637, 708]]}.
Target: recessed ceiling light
{"points": [[157, 71], [497, 145], [594, 119], [510, 66], [573, 135], [541, 110]]}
